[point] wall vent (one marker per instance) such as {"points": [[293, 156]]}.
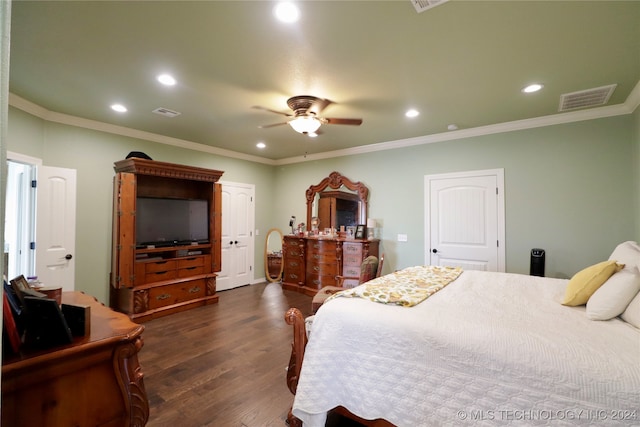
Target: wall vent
{"points": [[166, 112], [422, 5], [586, 98]]}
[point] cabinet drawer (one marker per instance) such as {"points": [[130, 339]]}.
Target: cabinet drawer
{"points": [[293, 277], [351, 271], [292, 242], [159, 266], [162, 296], [351, 260], [318, 281], [322, 268], [327, 257], [158, 276], [197, 261], [190, 271], [319, 246], [352, 249]]}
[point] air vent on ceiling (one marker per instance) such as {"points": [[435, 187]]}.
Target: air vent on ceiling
{"points": [[586, 98], [422, 5], [166, 112]]}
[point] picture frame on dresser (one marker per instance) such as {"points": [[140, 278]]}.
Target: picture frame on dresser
{"points": [[360, 231]]}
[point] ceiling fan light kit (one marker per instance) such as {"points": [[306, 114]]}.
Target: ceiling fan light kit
{"points": [[305, 119], [305, 124]]}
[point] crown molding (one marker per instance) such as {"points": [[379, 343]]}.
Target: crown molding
{"points": [[629, 106], [52, 116]]}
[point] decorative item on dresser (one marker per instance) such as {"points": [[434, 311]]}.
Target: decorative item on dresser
{"points": [[312, 261], [166, 246], [94, 381]]}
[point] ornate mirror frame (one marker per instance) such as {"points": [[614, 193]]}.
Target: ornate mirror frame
{"points": [[335, 180], [274, 233]]}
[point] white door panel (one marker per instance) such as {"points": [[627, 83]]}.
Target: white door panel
{"points": [[237, 236], [55, 227], [464, 226]]}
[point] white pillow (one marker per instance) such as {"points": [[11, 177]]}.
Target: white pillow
{"points": [[627, 253], [632, 313], [613, 297]]}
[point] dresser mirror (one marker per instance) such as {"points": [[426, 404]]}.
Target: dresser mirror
{"points": [[273, 255], [337, 201]]}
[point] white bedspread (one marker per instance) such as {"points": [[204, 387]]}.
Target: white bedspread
{"points": [[489, 349]]}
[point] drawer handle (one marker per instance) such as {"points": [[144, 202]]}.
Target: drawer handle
{"points": [[162, 297], [161, 272], [293, 276], [190, 268], [194, 290], [160, 262], [316, 268], [316, 246], [190, 259], [316, 282], [317, 256], [293, 264], [294, 253]]}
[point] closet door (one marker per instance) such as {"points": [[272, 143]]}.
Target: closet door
{"points": [[238, 219]]}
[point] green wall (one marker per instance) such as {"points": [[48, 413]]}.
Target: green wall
{"points": [[571, 189], [92, 154], [568, 190]]}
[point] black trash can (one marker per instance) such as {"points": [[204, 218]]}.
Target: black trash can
{"points": [[537, 262]]}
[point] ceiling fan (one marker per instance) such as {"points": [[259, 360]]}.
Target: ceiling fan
{"points": [[305, 118]]}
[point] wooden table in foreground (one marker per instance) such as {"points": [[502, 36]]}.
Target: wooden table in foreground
{"points": [[95, 381]]}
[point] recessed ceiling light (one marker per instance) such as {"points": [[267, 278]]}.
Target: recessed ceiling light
{"points": [[286, 12], [119, 108], [166, 79], [412, 113], [532, 88], [261, 145]]}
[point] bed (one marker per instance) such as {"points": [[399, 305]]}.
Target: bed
{"points": [[486, 349]]}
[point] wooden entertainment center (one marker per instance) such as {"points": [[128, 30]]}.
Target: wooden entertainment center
{"points": [[153, 280]]}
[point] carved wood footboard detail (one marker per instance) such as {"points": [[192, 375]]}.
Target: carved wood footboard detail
{"points": [[294, 317]]}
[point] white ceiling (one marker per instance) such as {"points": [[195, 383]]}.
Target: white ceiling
{"points": [[462, 63]]}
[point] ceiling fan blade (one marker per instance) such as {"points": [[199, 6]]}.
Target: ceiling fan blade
{"points": [[257, 107], [318, 105], [334, 121], [272, 125]]}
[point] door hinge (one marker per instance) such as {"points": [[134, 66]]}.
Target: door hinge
{"points": [[497, 191], [34, 183], [498, 243], [32, 245], [251, 268]]}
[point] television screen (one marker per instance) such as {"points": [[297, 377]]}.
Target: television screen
{"points": [[170, 221]]}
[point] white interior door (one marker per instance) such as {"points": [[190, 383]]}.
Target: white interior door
{"points": [[465, 220], [238, 220], [55, 227]]}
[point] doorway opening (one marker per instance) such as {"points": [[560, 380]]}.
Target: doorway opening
{"points": [[20, 220]]}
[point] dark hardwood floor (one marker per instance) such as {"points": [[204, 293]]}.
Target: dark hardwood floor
{"points": [[222, 364]]}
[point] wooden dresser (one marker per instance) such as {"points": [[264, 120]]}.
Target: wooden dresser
{"points": [[311, 263], [95, 381]]}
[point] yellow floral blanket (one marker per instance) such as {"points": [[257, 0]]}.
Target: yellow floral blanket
{"points": [[406, 287]]}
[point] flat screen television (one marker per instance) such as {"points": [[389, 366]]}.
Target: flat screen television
{"points": [[164, 222]]}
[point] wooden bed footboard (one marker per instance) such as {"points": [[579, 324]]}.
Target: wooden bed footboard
{"points": [[294, 317]]}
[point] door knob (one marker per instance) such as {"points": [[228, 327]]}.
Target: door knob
{"points": [[435, 251], [68, 256]]}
